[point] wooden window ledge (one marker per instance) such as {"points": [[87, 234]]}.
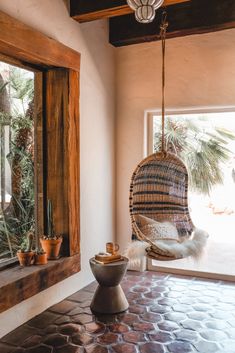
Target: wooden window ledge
{"points": [[20, 283]]}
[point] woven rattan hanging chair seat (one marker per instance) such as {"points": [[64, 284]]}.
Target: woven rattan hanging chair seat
{"points": [[159, 190]]}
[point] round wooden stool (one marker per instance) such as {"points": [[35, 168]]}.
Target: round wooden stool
{"points": [[109, 297]]}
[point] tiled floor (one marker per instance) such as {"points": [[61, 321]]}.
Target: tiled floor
{"points": [[167, 314]]}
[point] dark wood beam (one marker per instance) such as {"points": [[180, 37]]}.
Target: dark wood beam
{"points": [[90, 10], [27, 45], [194, 17]]}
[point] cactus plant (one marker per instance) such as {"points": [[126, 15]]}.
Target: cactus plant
{"points": [[49, 219], [26, 254], [51, 242], [27, 243], [30, 242]]}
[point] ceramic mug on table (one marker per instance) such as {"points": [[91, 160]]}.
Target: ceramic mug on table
{"points": [[112, 248]]}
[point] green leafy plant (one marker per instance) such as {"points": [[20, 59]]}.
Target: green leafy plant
{"points": [[17, 220], [203, 150]]}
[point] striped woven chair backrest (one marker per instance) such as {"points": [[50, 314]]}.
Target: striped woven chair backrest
{"points": [[159, 190]]}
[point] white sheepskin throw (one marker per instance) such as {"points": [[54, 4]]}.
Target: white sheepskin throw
{"points": [[192, 247], [136, 254]]}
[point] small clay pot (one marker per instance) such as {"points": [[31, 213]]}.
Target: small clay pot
{"points": [[51, 247], [40, 259], [25, 258]]}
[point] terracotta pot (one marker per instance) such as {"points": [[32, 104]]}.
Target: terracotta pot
{"points": [[40, 259], [51, 247], [25, 258]]}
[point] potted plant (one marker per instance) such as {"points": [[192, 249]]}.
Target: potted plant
{"points": [[26, 254], [40, 257], [51, 243]]}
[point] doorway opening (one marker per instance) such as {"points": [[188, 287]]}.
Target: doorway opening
{"points": [[205, 141]]}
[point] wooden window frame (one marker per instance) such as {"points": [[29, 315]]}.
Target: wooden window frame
{"points": [[57, 73]]}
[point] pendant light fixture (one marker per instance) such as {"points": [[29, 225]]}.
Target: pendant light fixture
{"points": [[145, 9]]}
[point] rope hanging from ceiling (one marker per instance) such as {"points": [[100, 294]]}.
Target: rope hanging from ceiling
{"points": [[159, 208]]}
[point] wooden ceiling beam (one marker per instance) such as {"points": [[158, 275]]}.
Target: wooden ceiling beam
{"points": [[194, 17], [90, 10]]}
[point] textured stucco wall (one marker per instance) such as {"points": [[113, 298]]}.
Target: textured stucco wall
{"points": [[97, 140]]}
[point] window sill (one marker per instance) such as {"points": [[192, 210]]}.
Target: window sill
{"points": [[20, 283], [8, 263]]}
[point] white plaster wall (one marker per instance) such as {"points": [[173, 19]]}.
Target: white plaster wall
{"points": [[97, 140], [200, 72]]}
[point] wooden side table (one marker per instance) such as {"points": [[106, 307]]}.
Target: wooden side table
{"points": [[109, 297]]}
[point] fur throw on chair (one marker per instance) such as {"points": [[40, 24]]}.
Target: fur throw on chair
{"points": [[193, 247]]}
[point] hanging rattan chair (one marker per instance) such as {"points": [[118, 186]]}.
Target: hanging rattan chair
{"points": [[159, 191]]}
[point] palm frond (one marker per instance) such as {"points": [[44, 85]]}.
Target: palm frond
{"points": [[203, 147]]}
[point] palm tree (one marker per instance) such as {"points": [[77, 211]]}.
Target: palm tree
{"points": [[22, 136], [202, 147]]}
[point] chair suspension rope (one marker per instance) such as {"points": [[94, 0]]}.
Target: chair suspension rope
{"points": [[163, 28]]}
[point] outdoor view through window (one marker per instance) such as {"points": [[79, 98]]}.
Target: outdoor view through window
{"points": [[206, 144], [16, 162]]}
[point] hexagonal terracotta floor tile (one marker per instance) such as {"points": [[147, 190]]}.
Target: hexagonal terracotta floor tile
{"points": [[95, 327], [40, 349], [160, 336], [70, 329], [96, 348], [192, 325], [187, 335], [160, 309], [69, 348], [137, 309], [39, 321], [81, 296], [134, 337], [124, 348], [180, 347], [205, 346], [118, 328], [82, 318], [63, 307], [129, 318], [19, 335], [31, 341], [168, 326], [143, 326], [82, 339], [213, 335], [151, 347], [139, 289], [107, 338], [55, 340], [151, 317]]}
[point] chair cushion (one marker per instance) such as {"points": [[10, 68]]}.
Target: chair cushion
{"points": [[156, 230]]}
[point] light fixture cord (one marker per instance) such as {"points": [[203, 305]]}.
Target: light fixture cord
{"points": [[163, 28]]}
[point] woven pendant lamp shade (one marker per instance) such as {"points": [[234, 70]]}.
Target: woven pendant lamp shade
{"points": [[145, 9]]}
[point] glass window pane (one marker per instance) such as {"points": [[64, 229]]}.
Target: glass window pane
{"points": [[16, 158]]}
